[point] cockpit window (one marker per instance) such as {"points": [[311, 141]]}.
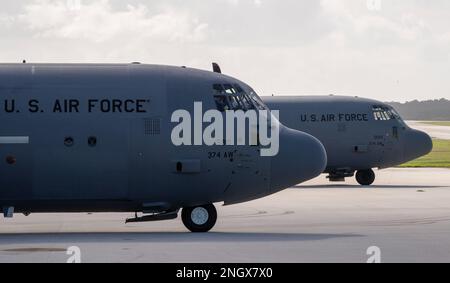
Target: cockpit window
{"points": [[396, 115], [221, 103], [383, 113], [218, 88], [257, 101], [229, 89], [233, 97]]}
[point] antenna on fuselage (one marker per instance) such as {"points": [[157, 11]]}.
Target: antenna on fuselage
{"points": [[216, 68]]}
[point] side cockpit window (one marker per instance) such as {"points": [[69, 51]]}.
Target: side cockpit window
{"points": [[383, 113], [244, 98], [257, 101], [220, 98], [233, 97]]}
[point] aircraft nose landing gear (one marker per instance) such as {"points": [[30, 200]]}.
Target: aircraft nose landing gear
{"points": [[365, 177], [199, 219]]}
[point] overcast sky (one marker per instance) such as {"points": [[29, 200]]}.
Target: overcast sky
{"points": [[388, 50]]}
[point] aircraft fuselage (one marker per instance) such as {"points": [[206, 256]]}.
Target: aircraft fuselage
{"points": [[358, 134]]}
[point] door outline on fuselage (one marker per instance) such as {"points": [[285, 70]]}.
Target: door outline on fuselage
{"points": [[146, 176], [16, 169]]}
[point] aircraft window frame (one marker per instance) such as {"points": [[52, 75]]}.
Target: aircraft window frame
{"points": [[234, 103], [397, 117], [395, 114], [232, 93], [246, 101], [388, 115], [219, 89], [229, 89], [259, 104], [384, 113], [240, 101], [234, 97], [238, 88], [222, 105], [377, 116]]}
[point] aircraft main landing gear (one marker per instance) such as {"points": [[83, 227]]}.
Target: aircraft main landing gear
{"points": [[199, 219], [365, 177]]}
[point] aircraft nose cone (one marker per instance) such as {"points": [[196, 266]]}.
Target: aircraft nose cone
{"points": [[417, 144], [301, 157]]}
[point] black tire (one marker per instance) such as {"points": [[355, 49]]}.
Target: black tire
{"points": [[365, 177], [205, 220]]}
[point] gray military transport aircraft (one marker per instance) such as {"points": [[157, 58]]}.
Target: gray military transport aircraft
{"points": [[358, 134], [97, 138]]}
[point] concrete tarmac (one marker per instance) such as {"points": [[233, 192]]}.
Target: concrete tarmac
{"points": [[406, 214]]}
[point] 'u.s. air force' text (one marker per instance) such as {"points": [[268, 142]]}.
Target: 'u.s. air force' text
{"points": [[340, 117], [77, 106]]}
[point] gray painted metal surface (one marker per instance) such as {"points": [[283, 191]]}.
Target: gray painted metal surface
{"points": [[354, 136], [98, 140]]}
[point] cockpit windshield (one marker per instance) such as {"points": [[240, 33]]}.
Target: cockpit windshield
{"points": [[384, 113], [233, 97]]}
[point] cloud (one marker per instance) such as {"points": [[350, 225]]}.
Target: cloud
{"points": [[97, 21], [360, 23], [284, 47], [6, 21], [236, 2]]}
